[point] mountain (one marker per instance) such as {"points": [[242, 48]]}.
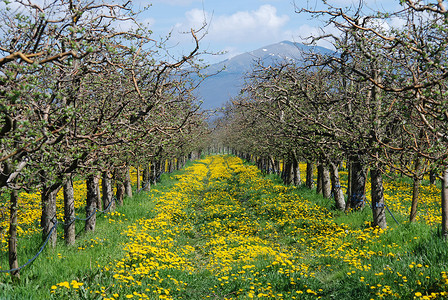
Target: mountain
{"points": [[217, 89]]}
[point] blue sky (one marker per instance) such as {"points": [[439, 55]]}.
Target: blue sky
{"points": [[236, 26]]}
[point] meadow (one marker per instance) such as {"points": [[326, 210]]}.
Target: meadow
{"points": [[218, 229]]}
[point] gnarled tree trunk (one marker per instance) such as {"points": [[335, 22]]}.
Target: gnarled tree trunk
{"points": [[119, 182], [138, 178], [445, 203], [128, 183], [107, 192], [358, 184], [296, 171], [288, 172], [93, 196], [12, 243], [417, 181], [309, 175], [320, 168], [69, 212], [377, 193], [326, 184], [49, 218], [432, 177], [336, 187]]}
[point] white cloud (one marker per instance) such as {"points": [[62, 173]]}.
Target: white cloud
{"points": [[397, 22], [241, 27]]}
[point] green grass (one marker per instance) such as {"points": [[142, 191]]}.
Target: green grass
{"points": [[410, 258], [63, 262]]}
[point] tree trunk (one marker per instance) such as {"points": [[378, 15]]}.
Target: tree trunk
{"points": [[145, 180], [309, 175], [358, 186], [107, 192], [161, 168], [49, 218], [128, 183], [273, 167], [349, 185], [92, 184], [152, 172], [432, 177], [296, 171], [445, 204], [119, 182], [415, 190], [69, 212], [155, 170], [415, 197], [169, 166], [336, 187], [288, 174], [277, 166], [326, 185], [377, 193], [138, 178], [99, 202], [12, 243], [320, 168]]}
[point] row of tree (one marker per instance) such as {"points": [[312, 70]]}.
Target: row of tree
{"points": [[81, 96], [379, 102]]}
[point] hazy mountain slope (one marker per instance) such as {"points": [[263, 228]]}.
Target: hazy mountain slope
{"points": [[218, 89]]}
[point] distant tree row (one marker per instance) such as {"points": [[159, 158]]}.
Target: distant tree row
{"points": [[379, 102], [85, 90]]}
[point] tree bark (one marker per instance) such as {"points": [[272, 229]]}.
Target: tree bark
{"points": [[161, 168], [119, 182], [128, 183], [358, 185], [319, 178], [417, 181], [288, 173], [445, 204], [415, 197], [277, 166], [152, 172], [99, 202], [336, 187], [49, 218], [273, 167], [147, 180], [138, 178], [178, 164], [296, 171], [169, 166], [349, 185], [309, 175], [432, 177], [69, 212], [377, 193], [107, 192], [92, 184], [326, 184], [12, 242], [146, 176], [155, 169]]}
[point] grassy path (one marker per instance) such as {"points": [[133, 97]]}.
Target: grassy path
{"points": [[219, 230]]}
